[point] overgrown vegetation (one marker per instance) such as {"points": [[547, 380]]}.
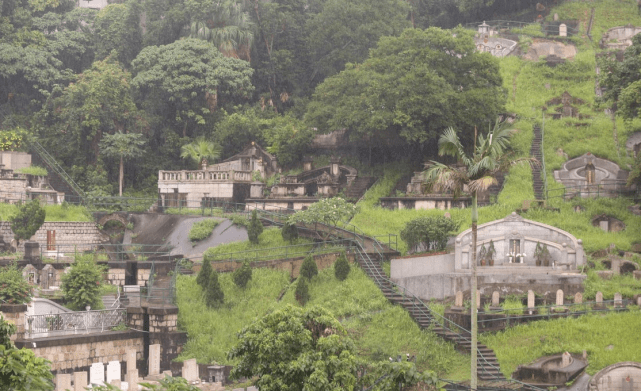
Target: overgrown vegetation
{"points": [[254, 229], [33, 170], [341, 267], [202, 229], [81, 285], [14, 289]]}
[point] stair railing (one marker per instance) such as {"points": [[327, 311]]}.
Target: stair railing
{"points": [[543, 170], [53, 164]]}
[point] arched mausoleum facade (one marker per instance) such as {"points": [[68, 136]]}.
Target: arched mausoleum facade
{"points": [[622, 376]]}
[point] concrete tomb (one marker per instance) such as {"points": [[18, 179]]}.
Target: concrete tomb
{"points": [[530, 299], [79, 381], [63, 382], [622, 376], [559, 297], [190, 370], [591, 176], [618, 300]]}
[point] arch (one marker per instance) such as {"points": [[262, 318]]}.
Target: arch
{"points": [[117, 216]]}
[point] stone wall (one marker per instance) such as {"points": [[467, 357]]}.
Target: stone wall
{"points": [[278, 204], [78, 352], [425, 202], [70, 235], [13, 190], [116, 273], [15, 160], [15, 314], [422, 265]]}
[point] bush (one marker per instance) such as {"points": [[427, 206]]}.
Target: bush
{"points": [[308, 269], [203, 275], [202, 229], [302, 291], [428, 233], [14, 289], [214, 296], [289, 232], [255, 228], [81, 285], [242, 275], [341, 267], [28, 220]]}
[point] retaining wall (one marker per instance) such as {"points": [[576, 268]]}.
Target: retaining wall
{"points": [[70, 235]]}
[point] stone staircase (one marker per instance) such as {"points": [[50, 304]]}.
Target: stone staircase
{"points": [[108, 301], [488, 365], [160, 292], [535, 152], [360, 185]]}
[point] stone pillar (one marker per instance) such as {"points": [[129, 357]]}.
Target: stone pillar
{"points": [[308, 164], [63, 382], [31, 251], [190, 370], [163, 330], [15, 314], [351, 179], [335, 170], [132, 379], [564, 254], [566, 359], [154, 359], [131, 360], [80, 381], [563, 30], [530, 299]]}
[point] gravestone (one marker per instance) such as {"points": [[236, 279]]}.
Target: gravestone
{"points": [[458, 301], [556, 17], [79, 381], [116, 382], [559, 297], [190, 370], [530, 299], [495, 299], [63, 382], [599, 299], [154, 359], [563, 30], [566, 359], [618, 300], [131, 359], [578, 298], [167, 374], [132, 379], [113, 371], [97, 374]]}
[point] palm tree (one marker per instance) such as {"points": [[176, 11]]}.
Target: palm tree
{"points": [[477, 173], [124, 146], [201, 150], [229, 29]]}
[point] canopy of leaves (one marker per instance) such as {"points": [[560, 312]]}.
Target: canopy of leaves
{"points": [[330, 211], [28, 220], [125, 145], [430, 233], [81, 285], [117, 28], [385, 97], [14, 289], [201, 149]]}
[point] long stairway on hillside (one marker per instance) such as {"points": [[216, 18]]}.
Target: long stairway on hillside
{"points": [[360, 185], [58, 177], [536, 152]]}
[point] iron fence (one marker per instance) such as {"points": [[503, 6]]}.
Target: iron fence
{"points": [[74, 322]]}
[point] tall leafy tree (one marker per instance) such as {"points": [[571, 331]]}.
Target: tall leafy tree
{"points": [[81, 285], [28, 220], [122, 146], [117, 28], [201, 151], [477, 172], [385, 98]]}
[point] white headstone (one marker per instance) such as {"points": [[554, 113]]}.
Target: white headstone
{"points": [[566, 359], [116, 382], [495, 299], [190, 370], [530, 299], [599, 298], [604, 225], [79, 381], [131, 359], [563, 30], [459, 299], [578, 298], [113, 371], [639, 301], [154, 359], [556, 17], [97, 374], [132, 379], [618, 300], [124, 386], [63, 382], [559, 297]]}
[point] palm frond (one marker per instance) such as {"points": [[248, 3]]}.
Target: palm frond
{"points": [[482, 183], [450, 144]]}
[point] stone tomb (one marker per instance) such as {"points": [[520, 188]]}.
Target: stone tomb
{"points": [[590, 176], [190, 370], [63, 382], [79, 381]]}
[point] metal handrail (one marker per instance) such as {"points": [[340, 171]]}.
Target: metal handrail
{"points": [[543, 171], [67, 322], [53, 164], [314, 250]]}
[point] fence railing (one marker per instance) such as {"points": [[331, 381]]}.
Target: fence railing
{"points": [[517, 25], [53, 253], [606, 188], [74, 322]]}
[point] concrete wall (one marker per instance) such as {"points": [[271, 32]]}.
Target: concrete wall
{"points": [[422, 266], [70, 236], [280, 203], [613, 378], [425, 202], [78, 352], [15, 160]]}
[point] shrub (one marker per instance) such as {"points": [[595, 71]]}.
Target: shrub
{"points": [[202, 229], [14, 289], [308, 269], [242, 275], [341, 267], [255, 228], [302, 291], [428, 233], [203, 275], [289, 232], [81, 285], [33, 170], [28, 220], [214, 295]]}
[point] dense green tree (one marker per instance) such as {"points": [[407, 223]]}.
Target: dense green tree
{"points": [[308, 269], [330, 211], [302, 291], [81, 285], [242, 275], [428, 232], [385, 98], [255, 228], [203, 275], [166, 21], [621, 81], [478, 172], [20, 369], [341, 267], [188, 79], [122, 146], [201, 151], [28, 220], [14, 289], [289, 232], [117, 28], [214, 295]]}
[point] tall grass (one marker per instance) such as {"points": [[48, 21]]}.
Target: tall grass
{"points": [[63, 212]]}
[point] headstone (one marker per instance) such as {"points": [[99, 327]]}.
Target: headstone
{"points": [[154, 359], [116, 382], [599, 298], [167, 373], [97, 374], [559, 297], [190, 370], [495, 299], [639, 301], [618, 300], [530, 299], [627, 384], [458, 301], [556, 17], [79, 381], [132, 379], [131, 360], [604, 225], [578, 298], [566, 359], [63, 382], [615, 266], [113, 371], [563, 30]]}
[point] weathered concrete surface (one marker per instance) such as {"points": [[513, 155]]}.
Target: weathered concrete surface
{"points": [[544, 47]]}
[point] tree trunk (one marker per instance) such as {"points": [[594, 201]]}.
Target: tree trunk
{"points": [[122, 171], [474, 331]]}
